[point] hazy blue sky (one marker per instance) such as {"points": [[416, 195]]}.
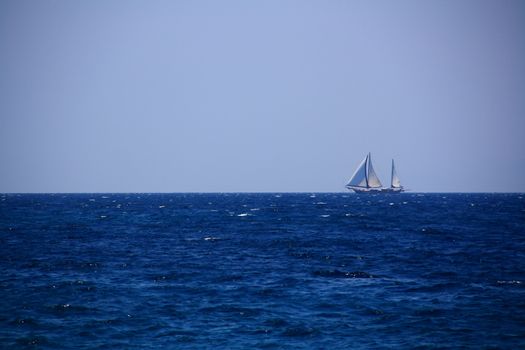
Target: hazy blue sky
{"points": [[168, 96]]}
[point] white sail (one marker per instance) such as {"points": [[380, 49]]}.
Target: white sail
{"points": [[359, 177], [395, 183], [373, 180]]}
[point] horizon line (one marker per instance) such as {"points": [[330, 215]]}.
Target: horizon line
{"points": [[261, 192]]}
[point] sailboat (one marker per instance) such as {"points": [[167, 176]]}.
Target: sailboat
{"points": [[365, 179]]}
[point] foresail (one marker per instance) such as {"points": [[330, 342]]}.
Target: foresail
{"points": [[395, 183], [359, 177], [373, 180]]}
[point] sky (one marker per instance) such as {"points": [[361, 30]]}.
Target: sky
{"points": [[260, 96]]}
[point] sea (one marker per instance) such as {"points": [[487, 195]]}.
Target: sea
{"points": [[262, 271]]}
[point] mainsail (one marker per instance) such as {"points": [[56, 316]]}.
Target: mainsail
{"points": [[373, 180], [395, 183], [365, 176]]}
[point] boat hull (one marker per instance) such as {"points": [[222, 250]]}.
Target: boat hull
{"points": [[377, 190], [392, 190]]}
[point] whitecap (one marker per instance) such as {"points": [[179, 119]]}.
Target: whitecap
{"points": [[255, 209], [510, 282], [325, 215], [243, 214], [103, 216], [390, 203], [321, 203], [211, 238], [162, 206]]}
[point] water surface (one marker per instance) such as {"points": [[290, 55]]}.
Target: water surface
{"points": [[241, 271]]}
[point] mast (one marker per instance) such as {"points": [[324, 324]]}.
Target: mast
{"points": [[366, 168], [392, 175]]}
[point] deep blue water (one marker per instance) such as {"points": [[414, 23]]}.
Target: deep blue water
{"points": [[243, 271]]}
